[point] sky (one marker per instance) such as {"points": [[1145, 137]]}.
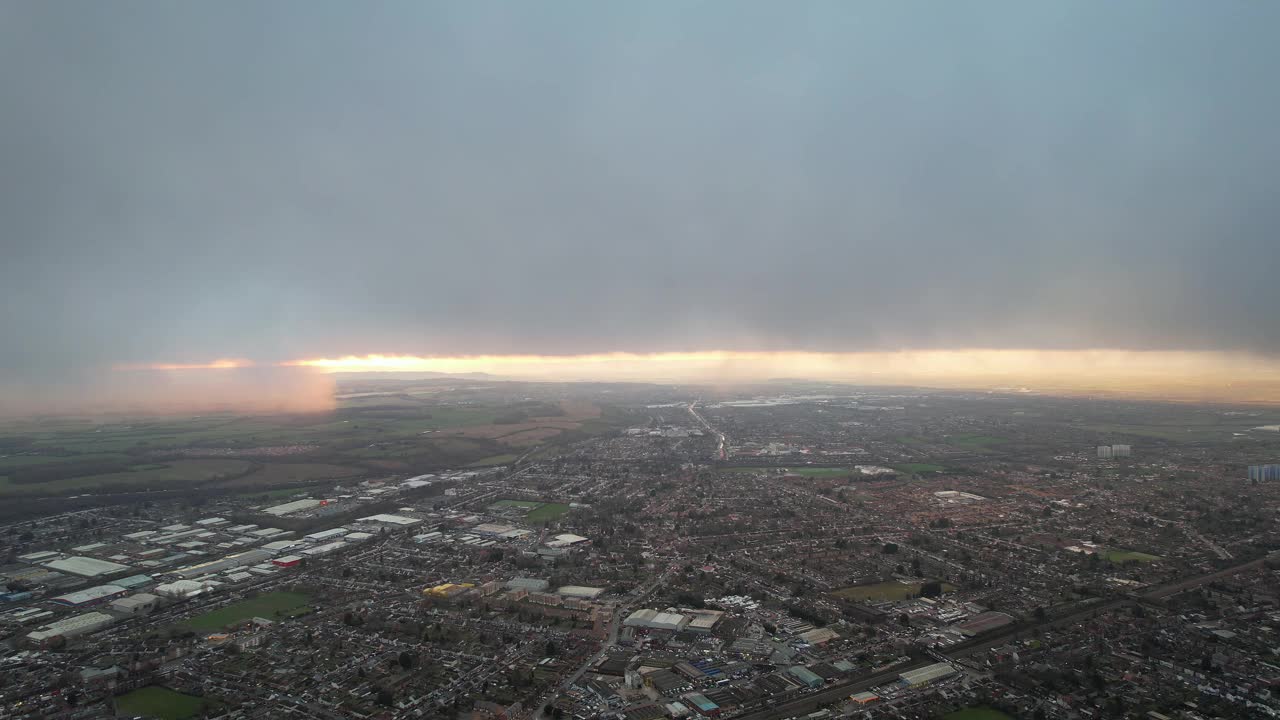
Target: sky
{"points": [[273, 182]]}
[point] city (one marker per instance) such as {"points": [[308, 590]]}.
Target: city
{"points": [[773, 552]]}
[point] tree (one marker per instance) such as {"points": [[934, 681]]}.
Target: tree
{"points": [[890, 548], [904, 619], [385, 698], [931, 589], [406, 660]]}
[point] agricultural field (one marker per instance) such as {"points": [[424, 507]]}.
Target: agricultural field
{"points": [[154, 701], [271, 606], [878, 592], [975, 442], [398, 428], [144, 476]]}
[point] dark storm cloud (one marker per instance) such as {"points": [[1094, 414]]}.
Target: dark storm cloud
{"points": [[189, 181]]}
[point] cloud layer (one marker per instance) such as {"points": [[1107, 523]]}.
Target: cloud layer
{"points": [[272, 181]]}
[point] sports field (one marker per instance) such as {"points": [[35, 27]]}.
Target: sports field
{"points": [[154, 701], [917, 468], [266, 606], [885, 591], [537, 511]]}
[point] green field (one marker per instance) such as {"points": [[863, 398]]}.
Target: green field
{"points": [[976, 713], [154, 701], [155, 475], [494, 460], [820, 472], [892, 590], [1124, 556], [547, 512], [526, 504], [917, 468], [266, 606]]}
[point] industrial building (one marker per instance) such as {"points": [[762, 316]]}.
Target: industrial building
{"points": [[655, 620], [86, 566], [249, 557], [139, 604], [292, 507], [984, 622], [805, 676], [386, 519], [70, 627], [530, 584], [925, 675], [182, 589], [90, 596], [579, 591]]}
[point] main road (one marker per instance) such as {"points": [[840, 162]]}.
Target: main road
{"points": [[721, 448]]}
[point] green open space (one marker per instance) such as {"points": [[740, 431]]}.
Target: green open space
{"points": [[975, 442], [272, 606], [547, 512], [154, 701], [820, 472], [526, 504], [917, 468], [150, 476], [976, 713], [892, 590], [1124, 556], [494, 460]]}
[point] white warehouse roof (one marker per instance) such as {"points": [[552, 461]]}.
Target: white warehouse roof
{"points": [[85, 566]]}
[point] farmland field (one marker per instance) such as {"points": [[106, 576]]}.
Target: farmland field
{"points": [[154, 701], [154, 476], [264, 606]]}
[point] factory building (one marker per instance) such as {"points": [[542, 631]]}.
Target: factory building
{"points": [[580, 592], [139, 604], [655, 620], [925, 675], [90, 596], [70, 627], [805, 676], [292, 507], [86, 566]]}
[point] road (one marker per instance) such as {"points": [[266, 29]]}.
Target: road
{"points": [[721, 448]]}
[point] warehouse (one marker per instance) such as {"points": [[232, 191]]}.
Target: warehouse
{"points": [[927, 674], [390, 520], [249, 557], [86, 566], [287, 561], [292, 507], [70, 627], [139, 604], [182, 589], [654, 620], [90, 596], [984, 622], [530, 584], [325, 549], [807, 677], [578, 591], [703, 621], [326, 535]]}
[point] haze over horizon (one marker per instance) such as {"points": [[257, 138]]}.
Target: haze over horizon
{"points": [[1079, 193]]}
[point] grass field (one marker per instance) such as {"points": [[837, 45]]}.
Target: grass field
{"points": [[885, 591], [916, 468], [154, 701], [547, 512], [282, 473], [820, 472], [1124, 556], [264, 606], [177, 472], [526, 504], [975, 442], [976, 713], [494, 460]]}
